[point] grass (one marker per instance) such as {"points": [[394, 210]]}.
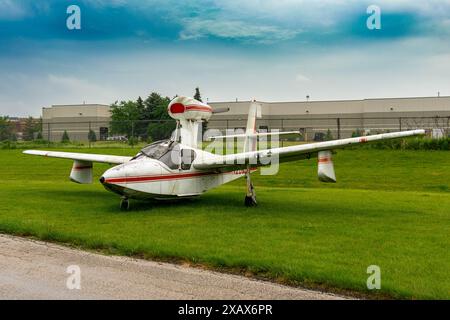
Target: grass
{"points": [[389, 208]]}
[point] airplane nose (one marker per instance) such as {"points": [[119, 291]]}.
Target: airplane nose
{"points": [[102, 180]]}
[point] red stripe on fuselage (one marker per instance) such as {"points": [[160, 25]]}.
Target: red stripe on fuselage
{"points": [[170, 176]]}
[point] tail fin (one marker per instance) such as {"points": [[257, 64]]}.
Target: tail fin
{"points": [[250, 139]]}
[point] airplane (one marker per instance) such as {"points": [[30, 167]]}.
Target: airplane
{"points": [[179, 168]]}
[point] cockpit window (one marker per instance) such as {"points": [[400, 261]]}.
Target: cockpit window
{"points": [[166, 151], [157, 149]]}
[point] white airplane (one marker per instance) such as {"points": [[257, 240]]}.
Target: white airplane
{"points": [[177, 167]]}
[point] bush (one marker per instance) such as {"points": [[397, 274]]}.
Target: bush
{"points": [[413, 144], [8, 144], [65, 138], [132, 141], [92, 136], [329, 135]]}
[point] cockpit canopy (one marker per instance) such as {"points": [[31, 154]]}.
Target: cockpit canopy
{"points": [[159, 148], [170, 153]]}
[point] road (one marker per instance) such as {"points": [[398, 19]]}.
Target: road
{"points": [[32, 269]]}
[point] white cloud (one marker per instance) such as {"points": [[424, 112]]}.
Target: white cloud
{"points": [[12, 10], [195, 28], [302, 78]]}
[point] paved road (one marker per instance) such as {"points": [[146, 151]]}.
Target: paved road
{"points": [[37, 270]]}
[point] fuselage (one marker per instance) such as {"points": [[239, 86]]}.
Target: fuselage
{"points": [[169, 176]]}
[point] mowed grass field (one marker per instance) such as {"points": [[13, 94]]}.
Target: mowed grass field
{"points": [[389, 208]]}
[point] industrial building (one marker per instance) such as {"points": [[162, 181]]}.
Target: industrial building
{"points": [[77, 120], [314, 119], [343, 118]]}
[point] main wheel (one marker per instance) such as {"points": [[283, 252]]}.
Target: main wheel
{"points": [[250, 201], [124, 204]]}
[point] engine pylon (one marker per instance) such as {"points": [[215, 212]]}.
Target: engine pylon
{"points": [[325, 167]]}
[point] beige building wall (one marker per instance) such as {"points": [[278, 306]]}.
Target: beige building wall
{"points": [[77, 120], [343, 117]]}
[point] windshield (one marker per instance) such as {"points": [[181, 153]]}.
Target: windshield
{"points": [[157, 149]]}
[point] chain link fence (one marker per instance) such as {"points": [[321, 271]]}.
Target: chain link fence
{"points": [[310, 129]]}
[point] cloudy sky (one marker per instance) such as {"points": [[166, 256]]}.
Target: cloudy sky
{"points": [[274, 50]]}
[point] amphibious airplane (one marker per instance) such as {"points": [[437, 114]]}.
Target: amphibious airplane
{"points": [[177, 167]]}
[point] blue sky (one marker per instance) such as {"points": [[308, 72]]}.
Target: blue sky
{"points": [[274, 50]]}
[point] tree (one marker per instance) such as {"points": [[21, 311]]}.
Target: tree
{"points": [[329, 135], [92, 136], [140, 127], [162, 124], [6, 129], [65, 137], [124, 115], [30, 128], [197, 95], [156, 107]]}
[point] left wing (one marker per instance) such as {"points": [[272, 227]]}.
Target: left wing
{"points": [[82, 164], [87, 157], [292, 153]]}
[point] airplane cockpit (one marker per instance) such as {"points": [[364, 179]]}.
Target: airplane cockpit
{"points": [[170, 153]]}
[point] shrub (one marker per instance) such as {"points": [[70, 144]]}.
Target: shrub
{"points": [[65, 138], [413, 144], [92, 136]]}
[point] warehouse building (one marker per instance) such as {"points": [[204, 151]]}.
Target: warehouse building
{"points": [[343, 118], [315, 119], [78, 120]]}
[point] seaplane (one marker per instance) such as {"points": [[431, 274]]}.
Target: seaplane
{"points": [[179, 168]]}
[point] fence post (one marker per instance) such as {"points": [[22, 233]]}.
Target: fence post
{"points": [[48, 134], [338, 128], [282, 129], [400, 123], [132, 133], [89, 135]]}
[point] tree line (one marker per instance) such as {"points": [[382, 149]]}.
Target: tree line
{"points": [[32, 129], [144, 119]]}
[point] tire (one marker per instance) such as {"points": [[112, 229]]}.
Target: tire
{"points": [[124, 205], [250, 202]]}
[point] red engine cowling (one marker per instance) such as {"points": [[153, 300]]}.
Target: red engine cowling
{"points": [[185, 108]]}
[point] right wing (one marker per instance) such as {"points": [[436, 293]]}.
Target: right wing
{"points": [[291, 153], [85, 157]]}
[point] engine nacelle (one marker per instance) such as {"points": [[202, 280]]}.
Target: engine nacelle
{"points": [[325, 167], [185, 108]]}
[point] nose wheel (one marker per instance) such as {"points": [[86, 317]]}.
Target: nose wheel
{"points": [[124, 204], [250, 198]]}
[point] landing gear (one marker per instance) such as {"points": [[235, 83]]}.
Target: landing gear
{"points": [[250, 198], [124, 204]]}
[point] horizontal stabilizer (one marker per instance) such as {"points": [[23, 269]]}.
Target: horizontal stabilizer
{"points": [[220, 110]]}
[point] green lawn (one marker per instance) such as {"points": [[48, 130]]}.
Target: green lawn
{"points": [[389, 208]]}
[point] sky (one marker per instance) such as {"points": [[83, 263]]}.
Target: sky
{"points": [[273, 50]]}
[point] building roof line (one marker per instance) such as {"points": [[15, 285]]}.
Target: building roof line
{"points": [[345, 100], [77, 105]]}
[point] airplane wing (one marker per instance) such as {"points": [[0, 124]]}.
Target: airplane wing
{"points": [[84, 157], [291, 153]]}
